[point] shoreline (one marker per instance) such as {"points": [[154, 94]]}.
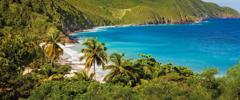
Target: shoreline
{"points": [[99, 28], [77, 65], [96, 28]]}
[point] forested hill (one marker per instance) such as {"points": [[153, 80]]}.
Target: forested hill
{"points": [[71, 15], [149, 11]]}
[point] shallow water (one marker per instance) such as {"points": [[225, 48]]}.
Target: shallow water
{"points": [[211, 43]]}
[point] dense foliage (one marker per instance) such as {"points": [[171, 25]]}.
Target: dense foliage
{"points": [[171, 85], [31, 71], [19, 52]]}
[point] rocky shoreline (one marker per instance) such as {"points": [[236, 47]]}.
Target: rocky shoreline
{"points": [[71, 39]]}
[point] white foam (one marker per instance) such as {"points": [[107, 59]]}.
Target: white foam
{"points": [[97, 29], [104, 28]]}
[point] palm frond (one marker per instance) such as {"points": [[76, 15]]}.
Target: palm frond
{"points": [[94, 52]]}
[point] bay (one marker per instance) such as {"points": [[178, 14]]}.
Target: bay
{"points": [[210, 43]]}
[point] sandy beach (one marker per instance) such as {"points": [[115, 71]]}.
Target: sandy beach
{"points": [[72, 57]]}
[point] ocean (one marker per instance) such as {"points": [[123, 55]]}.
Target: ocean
{"points": [[210, 43]]}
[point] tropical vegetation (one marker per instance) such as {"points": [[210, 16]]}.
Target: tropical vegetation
{"points": [[143, 78], [29, 70], [94, 54]]}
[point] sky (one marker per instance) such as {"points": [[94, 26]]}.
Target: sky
{"points": [[229, 3]]}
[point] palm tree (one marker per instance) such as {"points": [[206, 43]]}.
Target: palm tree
{"points": [[82, 75], [120, 70], [52, 50], [94, 53]]}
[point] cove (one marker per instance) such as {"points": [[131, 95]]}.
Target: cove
{"points": [[210, 43]]}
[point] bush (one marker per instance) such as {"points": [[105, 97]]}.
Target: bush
{"points": [[80, 90], [230, 84], [160, 89]]}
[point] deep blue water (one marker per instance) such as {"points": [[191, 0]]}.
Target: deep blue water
{"points": [[211, 43]]}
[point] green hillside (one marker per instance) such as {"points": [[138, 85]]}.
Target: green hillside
{"points": [[71, 15], [149, 11], [36, 15]]}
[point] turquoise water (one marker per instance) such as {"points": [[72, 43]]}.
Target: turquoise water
{"points": [[211, 43]]}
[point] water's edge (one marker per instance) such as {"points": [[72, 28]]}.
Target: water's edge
{"points": [[100, 28]]}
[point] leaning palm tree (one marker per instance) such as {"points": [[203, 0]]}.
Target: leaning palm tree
{"points": [[94, 53], [52, 50], [120, 70]]}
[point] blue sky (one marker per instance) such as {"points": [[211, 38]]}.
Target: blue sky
{"points": [[229, 3]]}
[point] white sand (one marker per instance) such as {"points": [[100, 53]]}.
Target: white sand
{"points": [[72, 58]]}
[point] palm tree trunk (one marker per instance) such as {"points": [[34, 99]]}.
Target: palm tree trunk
{"points": [[94, 70], [94, 67], [52, 62], [28, 70]]}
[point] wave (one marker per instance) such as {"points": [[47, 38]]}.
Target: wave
{"points": [[104, 28], [96, 29]]}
